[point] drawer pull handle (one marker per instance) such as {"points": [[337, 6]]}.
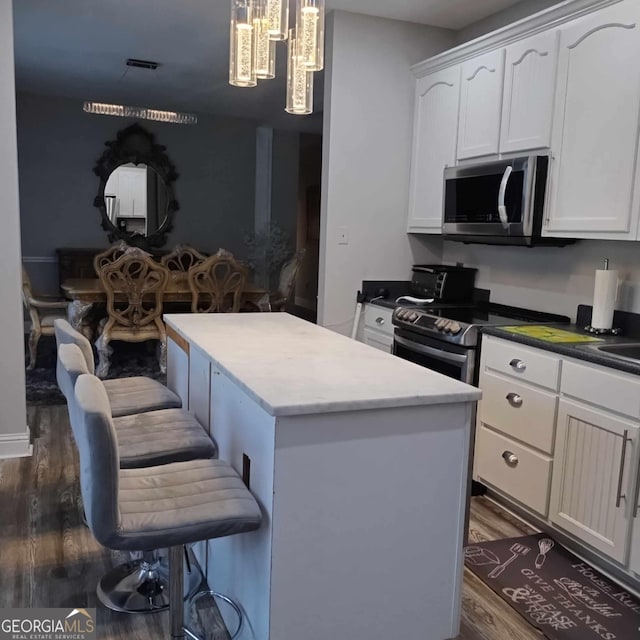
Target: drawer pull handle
{"points": [[380, 321], [518, 365], [515, 399], [510, 458], [623, 455]]}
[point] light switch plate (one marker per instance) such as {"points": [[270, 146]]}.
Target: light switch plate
{"points": [[343, 235]]}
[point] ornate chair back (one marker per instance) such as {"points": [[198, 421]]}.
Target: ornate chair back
{"points": [[287, 280], [217, 285], [181, 259], [105, 258], [140, 282]]}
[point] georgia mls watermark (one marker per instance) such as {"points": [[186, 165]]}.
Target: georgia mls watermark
{"points": [[47, 624]]}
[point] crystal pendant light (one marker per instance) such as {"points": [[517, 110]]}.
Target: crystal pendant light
{"points": [[277, 12], [310, 33], [299, 81], [265, 48], [242, 45]]}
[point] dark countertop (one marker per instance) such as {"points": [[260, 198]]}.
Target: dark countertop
{"points": [[579, 351]]}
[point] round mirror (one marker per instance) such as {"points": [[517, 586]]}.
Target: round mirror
{"points": [[136, 199], [135, 196]]}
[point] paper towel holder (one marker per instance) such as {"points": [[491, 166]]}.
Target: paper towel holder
{"points": [[603, 332]]}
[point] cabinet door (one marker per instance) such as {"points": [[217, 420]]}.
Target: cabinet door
{"points": [[178, 368], [595, 130], [200, 387], [378, 340], [434, 147], [593, 477], [529, 85], [480, 105]]}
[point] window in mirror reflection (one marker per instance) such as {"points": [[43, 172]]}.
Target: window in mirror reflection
{"points": [[136, 199]]}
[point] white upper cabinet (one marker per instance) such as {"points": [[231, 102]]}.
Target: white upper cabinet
{"points": [[529, 86], [434, 147], [595, 129], [480, 105]]}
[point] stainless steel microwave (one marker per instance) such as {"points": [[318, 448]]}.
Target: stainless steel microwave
{"points": [[499, 202]]}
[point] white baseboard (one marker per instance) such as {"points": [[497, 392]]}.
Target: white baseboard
{"points": [[15, 445]]}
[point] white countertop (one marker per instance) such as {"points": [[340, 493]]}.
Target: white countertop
{"points": [[292, 367]]}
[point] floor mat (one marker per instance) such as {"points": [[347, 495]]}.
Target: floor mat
{"points": [[555, 591]]}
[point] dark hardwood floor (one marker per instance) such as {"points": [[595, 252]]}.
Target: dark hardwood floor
{"points": [[48, 558]]}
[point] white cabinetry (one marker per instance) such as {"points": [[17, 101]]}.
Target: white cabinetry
{"points": [[529, 84], [434, 146], [593, 477], [378, 330], [480, 105], [595, 131]]}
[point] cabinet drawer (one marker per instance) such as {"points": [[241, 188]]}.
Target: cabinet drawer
{"points": [[520, 411], [595, 385], [526, 479], [378, 318], [518, 361], [377, 340]]}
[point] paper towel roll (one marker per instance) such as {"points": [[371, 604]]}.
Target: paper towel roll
{"points": [[605, 293]]}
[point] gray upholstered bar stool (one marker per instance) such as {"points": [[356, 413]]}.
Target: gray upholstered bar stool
{"points": [[146, 439], [144, 509], [127, 396]]}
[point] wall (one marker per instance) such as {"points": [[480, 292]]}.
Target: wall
{"points": [[503, 18], [368, 111], [14, 434], [58, 148]]}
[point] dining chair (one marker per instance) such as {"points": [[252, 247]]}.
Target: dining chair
{"points": [[108, 256], [217, 285], [43, 311], [135, 286], [181, 259], [279, 298]]}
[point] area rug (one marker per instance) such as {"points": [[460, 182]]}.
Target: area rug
{"points": [[128, 359], [555, 591]]}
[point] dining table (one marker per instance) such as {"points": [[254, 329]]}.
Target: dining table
{"points": [[85, 293]]}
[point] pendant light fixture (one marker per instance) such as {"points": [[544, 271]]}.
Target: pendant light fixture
{"points": [[256, 27], [265, 47], [277, 12], [299, 80], [310, 33], [242, 71]]}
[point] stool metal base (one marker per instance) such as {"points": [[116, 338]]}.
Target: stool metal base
{"points": [[142, 586], [219, 596]]}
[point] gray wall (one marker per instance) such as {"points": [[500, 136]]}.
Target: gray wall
{"points": [[368, 115], [58, 147], [14, 437], [503, 18]]}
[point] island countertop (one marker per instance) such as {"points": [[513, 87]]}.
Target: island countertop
{"points": [[292, 367]]}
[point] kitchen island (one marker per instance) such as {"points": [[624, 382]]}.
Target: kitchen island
{"points": [[358, 460]]}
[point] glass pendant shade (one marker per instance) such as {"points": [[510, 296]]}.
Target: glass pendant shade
{"points": [[299, 81], [242, 45], [277, 13], [265, 48], [310, 33]]}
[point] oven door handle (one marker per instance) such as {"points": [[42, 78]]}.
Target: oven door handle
{"points": [[447, 356]]}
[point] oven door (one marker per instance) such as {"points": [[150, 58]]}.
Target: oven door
{"points": [[437, 355]]}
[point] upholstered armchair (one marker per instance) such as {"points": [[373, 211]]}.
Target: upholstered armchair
{"points": [[108, 256], [279, 298], [135, 286], [43, 311], [217, 285]]}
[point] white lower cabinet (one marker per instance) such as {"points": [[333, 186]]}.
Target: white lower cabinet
{"points": [[565, 446], [378, 330], [594, 477]]}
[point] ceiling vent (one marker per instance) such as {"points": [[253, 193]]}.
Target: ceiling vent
{"points": [[142, 64]]}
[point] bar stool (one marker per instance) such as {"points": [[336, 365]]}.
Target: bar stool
{"points": [[145, 509], [127, 396], [147, 439]]}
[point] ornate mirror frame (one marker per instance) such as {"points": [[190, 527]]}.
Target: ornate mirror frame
{"points": [[136, 145]]}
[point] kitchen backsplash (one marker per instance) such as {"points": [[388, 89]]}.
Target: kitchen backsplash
{"points": [[550, 279]]}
